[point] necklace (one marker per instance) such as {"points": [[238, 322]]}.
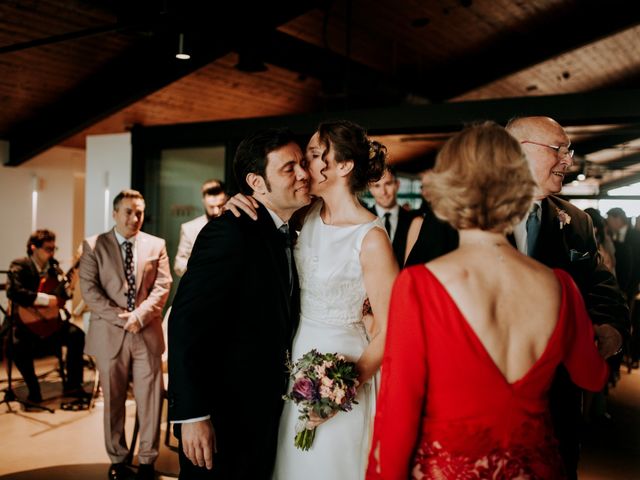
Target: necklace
{"points": [[477, 240], [474, 244], [487, 243]]}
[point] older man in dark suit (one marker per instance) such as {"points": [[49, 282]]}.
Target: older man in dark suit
{"points": [[396, 219], [559, 235], [233, 320]]}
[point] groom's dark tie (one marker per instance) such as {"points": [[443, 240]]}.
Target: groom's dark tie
{"points": [[284, 231], [533, 228]]}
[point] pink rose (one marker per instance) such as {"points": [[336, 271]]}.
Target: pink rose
{"points": [[303, 389]]}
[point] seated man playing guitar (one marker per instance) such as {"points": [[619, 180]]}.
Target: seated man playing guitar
{"points": [[36, 288]]}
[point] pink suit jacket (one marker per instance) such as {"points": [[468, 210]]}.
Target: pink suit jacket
{"points": [[104, 289]]}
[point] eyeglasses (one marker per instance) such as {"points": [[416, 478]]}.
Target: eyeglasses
{"points": [[560, 151], [50, 249]]}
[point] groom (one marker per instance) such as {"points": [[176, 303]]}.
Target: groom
{"points": [[233, 320]]}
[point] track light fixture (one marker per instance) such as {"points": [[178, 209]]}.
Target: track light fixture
{"points": [[182, 55]]}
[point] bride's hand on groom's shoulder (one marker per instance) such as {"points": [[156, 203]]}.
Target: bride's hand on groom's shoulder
{"points": [[241, 203], [198, 443]]}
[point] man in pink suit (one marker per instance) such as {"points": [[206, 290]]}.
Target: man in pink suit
{"points": [[125, 280]]}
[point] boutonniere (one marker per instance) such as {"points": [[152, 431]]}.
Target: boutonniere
{"points": [[563, 217]]}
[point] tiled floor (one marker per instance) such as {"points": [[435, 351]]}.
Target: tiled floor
{"points": [[69, 445]]}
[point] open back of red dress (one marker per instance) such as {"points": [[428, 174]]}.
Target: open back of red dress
{"points": [[445, 410]]}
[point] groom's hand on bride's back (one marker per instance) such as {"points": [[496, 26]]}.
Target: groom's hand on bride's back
{"points": [[241, 203], [198, 443]]}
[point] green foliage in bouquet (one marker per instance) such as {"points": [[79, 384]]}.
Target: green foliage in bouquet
{"points": [[324, 383]]}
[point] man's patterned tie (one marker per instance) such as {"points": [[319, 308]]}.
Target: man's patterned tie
{"points": [[131, 276]]}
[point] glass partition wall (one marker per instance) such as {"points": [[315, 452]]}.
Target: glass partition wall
{"points": [[172, 191], [181, 174]]}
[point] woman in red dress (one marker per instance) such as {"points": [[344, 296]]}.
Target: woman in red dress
{"points": [[475, 336]]}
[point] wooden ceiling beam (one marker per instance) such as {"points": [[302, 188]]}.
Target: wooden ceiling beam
{"points": [[607, 139], [621, 162], [618, 182], [588, 22], [144, 69], [346, 84], [594, 108]]}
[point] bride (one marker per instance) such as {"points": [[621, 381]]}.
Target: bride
{"points": [[343, 256]]}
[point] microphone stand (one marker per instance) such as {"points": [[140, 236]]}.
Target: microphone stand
{"points": [[9, 394]]}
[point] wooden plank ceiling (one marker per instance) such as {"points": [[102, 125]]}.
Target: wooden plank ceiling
{"points": [[69, 68]]}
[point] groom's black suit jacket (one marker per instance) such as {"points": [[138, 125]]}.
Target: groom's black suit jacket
{"points": [[232, 322], [571, 248]]}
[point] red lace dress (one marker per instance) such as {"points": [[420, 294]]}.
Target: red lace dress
{"points": [[445, 410]]}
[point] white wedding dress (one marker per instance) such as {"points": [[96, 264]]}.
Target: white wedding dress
{"points": [[331, 295]]}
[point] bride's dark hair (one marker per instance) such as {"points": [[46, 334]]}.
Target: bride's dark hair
{"points": [[349, 141]]}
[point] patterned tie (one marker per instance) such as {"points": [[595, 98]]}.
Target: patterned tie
{"points": [[284, 231], [533, 228], [387, 223], [130, 275]]}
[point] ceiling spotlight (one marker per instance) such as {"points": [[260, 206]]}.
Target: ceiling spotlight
{"points": [[582, 177], [182, 55]]}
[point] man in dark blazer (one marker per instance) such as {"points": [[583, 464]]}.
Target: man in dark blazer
{"points": [[396, 219], [627, 242], [23, 289], [233, 320], [565, 239]]}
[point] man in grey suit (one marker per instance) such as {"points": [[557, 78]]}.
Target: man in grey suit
{"points": [[125, 280], [213, 199]]}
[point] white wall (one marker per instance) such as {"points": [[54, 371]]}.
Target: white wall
{"points": [[108, 166], [56, 172], [71, 195]]}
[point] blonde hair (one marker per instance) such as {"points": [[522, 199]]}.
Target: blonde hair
{"points": [[481, 179]]}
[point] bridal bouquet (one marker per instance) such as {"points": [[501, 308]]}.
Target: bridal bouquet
{"points": [[324, 383]]}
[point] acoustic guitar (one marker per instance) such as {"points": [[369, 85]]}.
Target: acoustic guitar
{"points": [[45, 321], [42, 321]]}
